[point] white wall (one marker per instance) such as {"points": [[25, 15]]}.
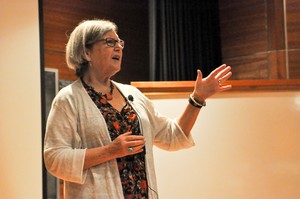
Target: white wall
{"points": [[247, 146], [20, 103]]}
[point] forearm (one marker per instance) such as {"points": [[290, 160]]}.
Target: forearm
{"points": [[116, 149], [188, 118], [96, 156]]}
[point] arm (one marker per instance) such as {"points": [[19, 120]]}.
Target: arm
{"points": [[204, 88]]}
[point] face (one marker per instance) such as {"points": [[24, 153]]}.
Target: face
{"points": [[106, 60]]}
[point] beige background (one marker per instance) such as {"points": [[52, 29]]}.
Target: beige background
{"points": [[20, 102], [247, 146]]}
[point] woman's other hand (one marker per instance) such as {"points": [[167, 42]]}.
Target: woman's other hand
{"points": [[127, 144]]}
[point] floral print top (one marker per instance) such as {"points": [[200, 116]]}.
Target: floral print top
{"points": [[132, 167]]}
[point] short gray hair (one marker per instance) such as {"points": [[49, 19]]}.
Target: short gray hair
{"points": [[82, 38]]}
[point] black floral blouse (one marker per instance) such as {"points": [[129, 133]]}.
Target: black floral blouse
{"points": [[131, 168]]}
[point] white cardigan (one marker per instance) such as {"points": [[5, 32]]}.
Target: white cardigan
{"points": [[75, 124]]}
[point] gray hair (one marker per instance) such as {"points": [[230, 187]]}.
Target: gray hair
{"points": [[82, 38]]}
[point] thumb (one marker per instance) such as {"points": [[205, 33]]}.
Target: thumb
{"points": [[199, 76]]}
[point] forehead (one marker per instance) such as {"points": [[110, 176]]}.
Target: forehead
{"points": [[110, 34]]}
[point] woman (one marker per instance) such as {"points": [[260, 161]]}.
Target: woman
{"points": [[100, 133]]}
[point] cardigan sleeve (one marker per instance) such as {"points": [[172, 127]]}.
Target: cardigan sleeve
{"points": [[166, 132], [64, 157]]}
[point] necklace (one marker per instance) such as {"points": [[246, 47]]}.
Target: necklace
{"points": [[107, 96]]}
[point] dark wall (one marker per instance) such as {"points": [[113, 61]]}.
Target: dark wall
{"points": [[131, 16], [254, 38]]}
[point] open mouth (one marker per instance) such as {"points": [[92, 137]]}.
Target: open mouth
{"points": [[116, 57]]}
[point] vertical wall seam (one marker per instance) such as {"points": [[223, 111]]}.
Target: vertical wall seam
{"points": [[286, 41]]}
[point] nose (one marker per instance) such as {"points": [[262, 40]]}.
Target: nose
{"points": [[119, 45]]}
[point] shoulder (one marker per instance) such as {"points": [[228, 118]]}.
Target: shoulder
{"points": [[69, 93], [127, 89], [137, 96]]}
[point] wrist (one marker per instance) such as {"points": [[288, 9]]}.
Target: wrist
{"points": [[196, 102]]}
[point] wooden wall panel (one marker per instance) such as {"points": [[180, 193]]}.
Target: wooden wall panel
{"points": [[60, 17], [275, 25], [277, 65], [293, 36], [244, 38], [294, 64], [256, 29], [243, 27], [249, 66], [293, 23], [57, 60], [276, 40], [269, 65], [131, 16]]}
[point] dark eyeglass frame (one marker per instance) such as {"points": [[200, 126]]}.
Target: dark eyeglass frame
{"points": [[111, 42]]}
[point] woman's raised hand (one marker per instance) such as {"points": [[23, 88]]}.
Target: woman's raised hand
{"points": [[213, 83]]}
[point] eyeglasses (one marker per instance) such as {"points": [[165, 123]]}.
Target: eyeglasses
{"points": [[112, 42]]}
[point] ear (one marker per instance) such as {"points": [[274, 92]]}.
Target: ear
{"points": [[87, 55]]}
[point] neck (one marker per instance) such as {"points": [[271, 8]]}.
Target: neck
{"points": [[107, 95], [101, 85]]}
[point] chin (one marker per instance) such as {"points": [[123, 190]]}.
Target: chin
{"points": [[117, 69]]}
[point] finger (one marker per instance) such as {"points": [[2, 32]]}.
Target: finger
{"points": [[227, 76], [224, 77], [134, 150], [226, 70], [224, 88], [139, 148], [218, 70], [126, 134], [137, 143], [134, 137]]}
